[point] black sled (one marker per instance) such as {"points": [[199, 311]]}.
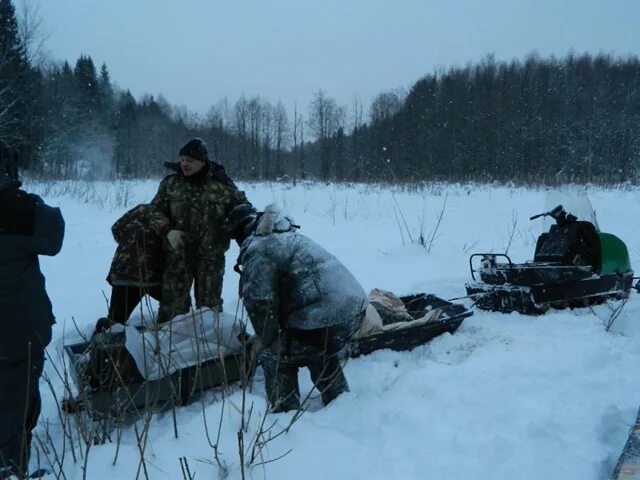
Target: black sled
{"points": [[428, 317], [574, 265], [111, 387]]}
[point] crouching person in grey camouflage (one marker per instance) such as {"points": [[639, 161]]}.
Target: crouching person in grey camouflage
{"points": [[304, 305]]}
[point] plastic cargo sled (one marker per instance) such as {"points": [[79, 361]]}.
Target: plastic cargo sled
{"points": [[628, 467], [110, 383], [120, 396], [418, 319]]}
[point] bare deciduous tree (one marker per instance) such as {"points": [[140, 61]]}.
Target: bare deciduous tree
{"points": [[357, 113], [32, 33], [281, 130], [325, 118], [386, 104]]}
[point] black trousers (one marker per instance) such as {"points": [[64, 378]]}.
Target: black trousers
{"points": [[320, 350], [19, 409], [125, 299]]}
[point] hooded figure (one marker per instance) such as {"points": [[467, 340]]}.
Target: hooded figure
{"points": [[28, 228], [190, 208], [303, 303], [137, 264]]}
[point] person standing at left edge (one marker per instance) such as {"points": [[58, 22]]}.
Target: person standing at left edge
{"points": [[28, 228]]}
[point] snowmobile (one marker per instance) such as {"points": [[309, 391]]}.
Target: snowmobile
{"points": [[574, 265]]}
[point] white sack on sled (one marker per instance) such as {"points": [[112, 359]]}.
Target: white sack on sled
{"points": [[185, 341]]}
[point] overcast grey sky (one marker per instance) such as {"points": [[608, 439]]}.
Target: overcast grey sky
{"points": [[196, 52]]}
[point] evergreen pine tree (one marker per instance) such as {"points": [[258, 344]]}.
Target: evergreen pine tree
{"points": [[14, 86]]}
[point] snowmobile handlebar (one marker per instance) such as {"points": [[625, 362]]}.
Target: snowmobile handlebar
{"points": [[551, 213], [558, 214]]}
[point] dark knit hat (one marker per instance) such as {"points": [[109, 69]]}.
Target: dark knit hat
{"points": [[195, 148], [240, 224], [240, 215]]}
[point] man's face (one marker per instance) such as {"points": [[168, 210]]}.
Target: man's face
{"points": [[190, 166]]}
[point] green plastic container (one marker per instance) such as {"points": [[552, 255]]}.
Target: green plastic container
{"points": [[615, 256]]}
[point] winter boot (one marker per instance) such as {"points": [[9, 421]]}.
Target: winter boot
{"points": [[328, 377], [281, 384]]}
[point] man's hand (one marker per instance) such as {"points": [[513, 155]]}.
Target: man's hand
{"points": [[255, 346], [279, 344], [253, 349], [102, 325], [175, 239]]}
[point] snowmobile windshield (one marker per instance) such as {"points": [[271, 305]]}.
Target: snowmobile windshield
{"points": [[575, 201]]}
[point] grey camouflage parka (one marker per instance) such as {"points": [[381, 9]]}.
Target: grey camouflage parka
{"points": [[295, 281]]}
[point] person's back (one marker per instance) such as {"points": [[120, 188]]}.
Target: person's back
{"points": [[136, 267], [28, 228], [315, 290]]}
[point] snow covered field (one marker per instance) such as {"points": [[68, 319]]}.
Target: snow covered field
{"points": [[505, 397]]}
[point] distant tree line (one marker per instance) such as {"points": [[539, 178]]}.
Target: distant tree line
{"points": [[575, 119]]}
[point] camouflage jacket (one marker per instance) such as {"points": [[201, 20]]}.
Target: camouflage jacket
{"points": [[197, 207], [139, 258], [289, 281]]}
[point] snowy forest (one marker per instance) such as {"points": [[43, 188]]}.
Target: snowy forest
{"points": [[539, 120], [448, 270]]}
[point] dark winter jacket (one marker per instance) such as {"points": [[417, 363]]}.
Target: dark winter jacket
{"points": [[28, 228], [139, 258], [289, 281]]}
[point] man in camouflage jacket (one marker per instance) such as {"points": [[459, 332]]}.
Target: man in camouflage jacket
{"points": [[139, 258], [191, 206], [303, 303], [137, 265]]}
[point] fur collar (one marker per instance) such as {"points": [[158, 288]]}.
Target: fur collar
{"points": [[273, 220], [215, 171]]}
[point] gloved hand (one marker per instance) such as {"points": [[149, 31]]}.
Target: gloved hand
{"points": [[279, 345], [175, 239], [255, 346], [253, 349], [102, 325]]}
